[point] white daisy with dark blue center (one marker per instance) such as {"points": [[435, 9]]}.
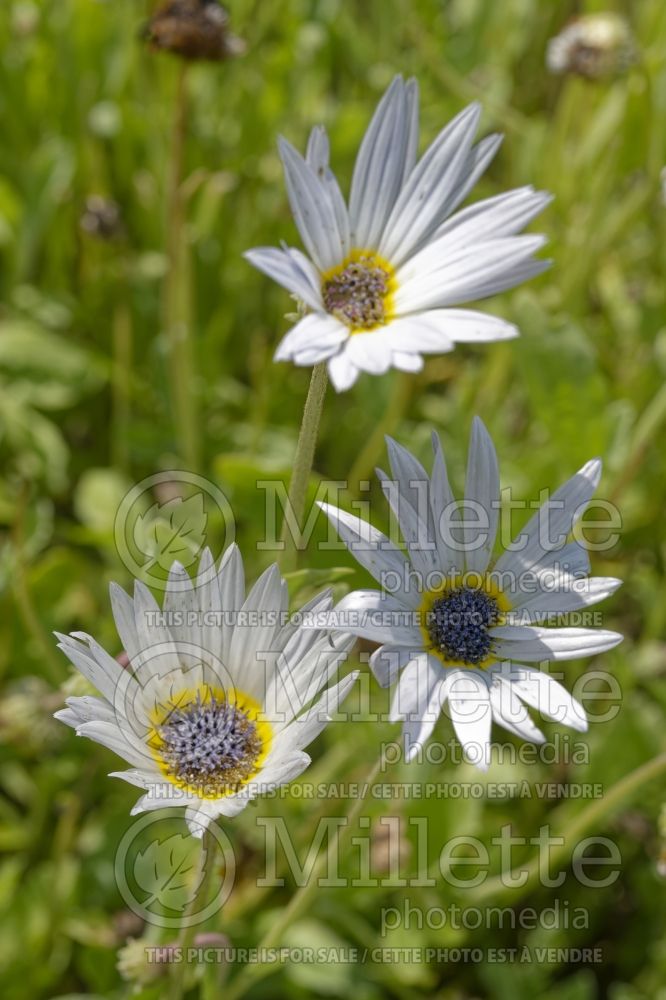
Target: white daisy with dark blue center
{"points": [[218, 701], [458, 626], [384, 275]]}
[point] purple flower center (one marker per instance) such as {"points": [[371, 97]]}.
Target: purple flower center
{"points": [[357, 293]]}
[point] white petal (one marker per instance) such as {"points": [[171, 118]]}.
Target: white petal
{"points": [[504, 215], [443, 508], [201, 814], [411, 478], [68, 716], [387, 662], [122, 607], [120, 740], [418, 701], [426, 195], [278, 772], [158, 651], [311, 208], [140, 778], [471, 714], [528, 643], [412, 139], [182, 605], [482, 492], [153, 800], [375, 552], [342, 371], [379, 167], [509, 712], [378, 617], [433, 279], [318, 150], [282, 267], [254, 633], [369, 352], [106, 676], [295, 682], [414, 690], [416, 528], [316, 332], [300, 732], [416, 730], [553, 522], [293, 639], [458, 326], [198, 818], [317, 157], [417, 332], [543, 692], [87, 709], [208, 603], [564, 593], [478, 159], [406, 362]]}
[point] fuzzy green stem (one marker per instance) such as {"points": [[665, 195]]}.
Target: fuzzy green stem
{"points": [[176, 291], [251, 974], [122, 366], [187, 934], [300, 477]]}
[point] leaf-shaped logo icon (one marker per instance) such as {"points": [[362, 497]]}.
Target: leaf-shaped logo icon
{"points": [[168, 873], [173, 530]]}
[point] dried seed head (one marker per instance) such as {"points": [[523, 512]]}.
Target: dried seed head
{"points": [[193, 29], [595, 47], [101, 218]]}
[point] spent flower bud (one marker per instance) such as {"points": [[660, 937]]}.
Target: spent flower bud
{"points": [[596, 47], [193, 30]]}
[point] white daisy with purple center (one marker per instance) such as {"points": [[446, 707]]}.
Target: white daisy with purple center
{"points": [[385, 274]]}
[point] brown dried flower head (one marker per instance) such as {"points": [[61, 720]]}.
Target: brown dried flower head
{"points": [[596, 47], [193, 29], [101, 218]]}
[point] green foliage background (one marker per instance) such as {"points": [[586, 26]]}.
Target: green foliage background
{"points": [[86, 109]]}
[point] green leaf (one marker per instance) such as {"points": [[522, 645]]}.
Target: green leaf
{"points": [[33, 352]]}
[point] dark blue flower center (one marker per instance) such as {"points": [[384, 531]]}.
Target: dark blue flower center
{"points": [[209, 744], [458, 624]]}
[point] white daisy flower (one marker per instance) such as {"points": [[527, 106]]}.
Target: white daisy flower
{"points": [[384, 275], [215, 706], [457, 625]]}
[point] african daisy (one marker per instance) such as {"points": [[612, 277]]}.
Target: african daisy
{"points": [[460, 627], [213, 707], [383, 275]]}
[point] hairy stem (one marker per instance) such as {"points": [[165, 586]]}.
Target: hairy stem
{"points": [[176, 292], [197, 902]]}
